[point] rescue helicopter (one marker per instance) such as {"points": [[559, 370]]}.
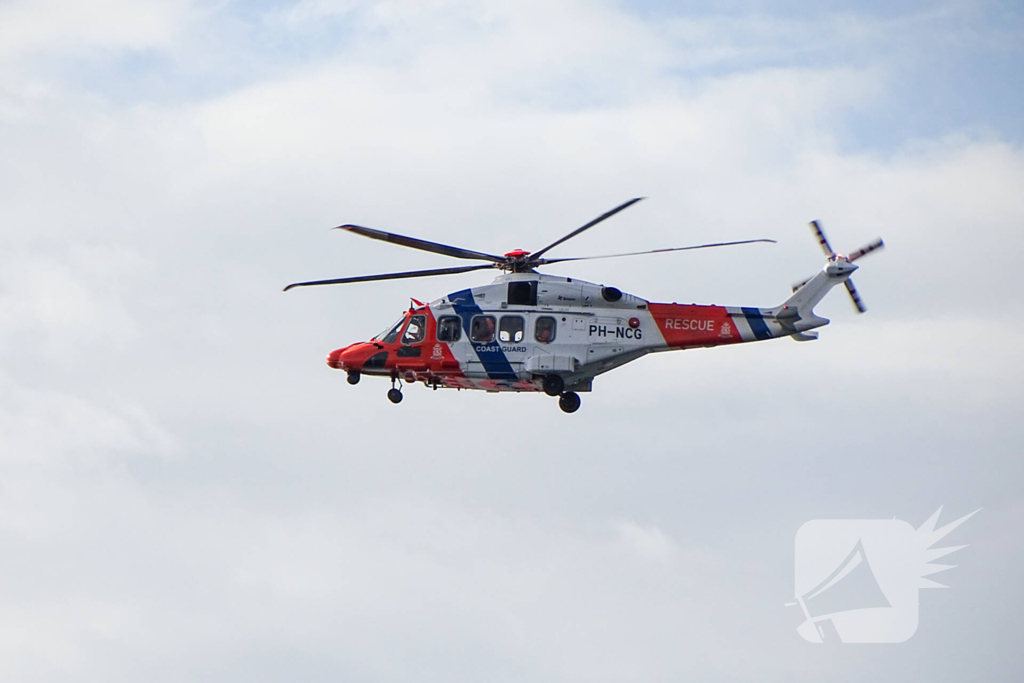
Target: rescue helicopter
{"points": [[533, 332]]}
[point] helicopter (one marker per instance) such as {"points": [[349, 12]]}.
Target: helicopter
{"points": [[539, 333]]}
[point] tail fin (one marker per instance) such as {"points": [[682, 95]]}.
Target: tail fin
{"points": [[797, 313]]}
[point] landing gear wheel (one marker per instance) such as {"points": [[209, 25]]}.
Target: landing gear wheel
{"points": [[553, 385], [394, 395], [569, 402], [353, 377]]}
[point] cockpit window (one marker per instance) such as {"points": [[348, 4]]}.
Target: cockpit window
{"points": [[390, 334], [416, 330]]}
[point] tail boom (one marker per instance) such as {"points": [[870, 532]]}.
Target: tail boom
{"points": [[685, 326], [691, 326]]}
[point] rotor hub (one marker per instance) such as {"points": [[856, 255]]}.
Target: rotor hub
{"points": [[517, 261]]}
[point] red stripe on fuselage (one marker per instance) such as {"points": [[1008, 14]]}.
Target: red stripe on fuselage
{"points": [[685, 325]]}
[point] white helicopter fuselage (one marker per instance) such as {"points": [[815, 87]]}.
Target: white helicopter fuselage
{"points": [[525, 329], [527, 332]]}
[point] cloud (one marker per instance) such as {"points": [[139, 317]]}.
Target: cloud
{"points": [[649, 543], [45, 27], [58, 297], [188, 490]]}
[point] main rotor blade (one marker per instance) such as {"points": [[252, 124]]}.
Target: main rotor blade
{"points": [[422, 245], [866, 249], [589, 225], [825, 247], [542, 262], [855, 296], [389, 276]]}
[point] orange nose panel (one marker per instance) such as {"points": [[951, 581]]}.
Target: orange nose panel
{"points": [[334, 359], [350, 357]]}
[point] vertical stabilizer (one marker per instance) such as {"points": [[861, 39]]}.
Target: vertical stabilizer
{"points": [[797, 313]]}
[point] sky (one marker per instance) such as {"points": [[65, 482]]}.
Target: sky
{"points": [[188, 493]]}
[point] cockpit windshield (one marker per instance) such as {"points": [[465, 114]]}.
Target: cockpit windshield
{"points": [[391, 333]]}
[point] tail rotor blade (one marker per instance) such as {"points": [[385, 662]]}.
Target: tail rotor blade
{"points": [[825, 247], [801, 284], [855, 296], [866, 249]]}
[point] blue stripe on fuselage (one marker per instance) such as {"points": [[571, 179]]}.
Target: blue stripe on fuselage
{"points": [[756, 322], [495, 362]]}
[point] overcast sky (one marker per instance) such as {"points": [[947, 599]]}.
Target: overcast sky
{"points": [[187, 492]]}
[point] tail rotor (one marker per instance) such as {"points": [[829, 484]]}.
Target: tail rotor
{"points": [[800, 284], [822, 240], [866, 249], [855, 296], [840, 265]]}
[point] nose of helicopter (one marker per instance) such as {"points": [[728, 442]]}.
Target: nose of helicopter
{"points": [[349, 357], [334, 359]]}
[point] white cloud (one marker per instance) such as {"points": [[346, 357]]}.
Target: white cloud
{"points": [[68, 301], [34, 28], [647, 542], [306, 526]]}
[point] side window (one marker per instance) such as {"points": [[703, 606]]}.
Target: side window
{"points": [[511, 329], [416, 330], [545, 329], [522, 293], [481, 329], [449, 328]]}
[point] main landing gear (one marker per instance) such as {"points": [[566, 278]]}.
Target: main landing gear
{"points": [[569, 402], [554, 385], [395, 393]]}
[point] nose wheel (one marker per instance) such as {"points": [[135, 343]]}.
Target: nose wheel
{"points": [[569, 402], [395, 393]]}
